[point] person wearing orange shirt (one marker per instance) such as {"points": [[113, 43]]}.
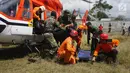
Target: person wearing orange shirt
{"points": [[107, 47], [80, 29], [37, 11], [67, 49]]}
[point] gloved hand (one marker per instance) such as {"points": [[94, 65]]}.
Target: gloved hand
{"points": [[115, 47], [94, 59], [41, 21]]}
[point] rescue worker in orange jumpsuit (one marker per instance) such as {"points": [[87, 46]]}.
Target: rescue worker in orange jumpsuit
{"points": [[80, 29], [67, 49], [37, 11], [106, 47]]}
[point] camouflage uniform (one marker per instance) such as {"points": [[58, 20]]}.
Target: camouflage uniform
{"points": [[95, 31], [74, 22], [49, 26], [64, 19]]}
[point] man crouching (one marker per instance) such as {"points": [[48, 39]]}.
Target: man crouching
{"points": [[67, 49], [107, 48]]}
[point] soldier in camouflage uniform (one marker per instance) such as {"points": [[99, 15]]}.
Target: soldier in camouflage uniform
{"points": [[95, 36], [65, 19], [49, 26], [74, 22], [65, 24]]}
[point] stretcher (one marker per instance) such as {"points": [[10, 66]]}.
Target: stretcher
{"points": [[84, 55]]}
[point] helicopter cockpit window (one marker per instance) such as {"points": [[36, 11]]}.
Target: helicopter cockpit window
{"points": [[9, 7], [26, 11]]}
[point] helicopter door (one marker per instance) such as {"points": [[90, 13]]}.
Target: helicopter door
{"points": [[21, 30]]}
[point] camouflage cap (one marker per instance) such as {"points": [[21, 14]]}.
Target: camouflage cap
{"points": [[67, 12], [88, 23]]}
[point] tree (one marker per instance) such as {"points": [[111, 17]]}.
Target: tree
{"points": [[99, 9], [120, 17], [101, 15]]}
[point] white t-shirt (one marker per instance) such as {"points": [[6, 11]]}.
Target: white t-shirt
{"points": [[123, 27]]}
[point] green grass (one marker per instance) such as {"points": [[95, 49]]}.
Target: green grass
{"points": [[7, 46], [21, 65]]}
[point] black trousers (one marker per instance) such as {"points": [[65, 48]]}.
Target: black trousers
{"points": [[37, 27], [93, 44], [112, 54]]}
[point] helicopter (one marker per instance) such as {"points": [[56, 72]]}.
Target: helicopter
{"points": [[16, 20]]}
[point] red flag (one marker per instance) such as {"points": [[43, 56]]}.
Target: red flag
{"points": [[84, 19]]}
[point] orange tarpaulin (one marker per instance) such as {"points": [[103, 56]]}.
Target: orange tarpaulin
{"points": [[52, 5]]}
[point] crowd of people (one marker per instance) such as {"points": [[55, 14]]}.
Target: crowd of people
{"points": [[72, 33], [123, 29]]}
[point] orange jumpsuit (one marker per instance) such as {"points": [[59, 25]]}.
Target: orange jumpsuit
{"points": [[67, 51], [80, 34], [78, 40], [107, 47], [34, 13]]}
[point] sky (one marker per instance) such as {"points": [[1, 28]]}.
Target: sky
{"points": [[120, 7]]}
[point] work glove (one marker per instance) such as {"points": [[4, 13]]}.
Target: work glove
{"points": [[42, 21], [94, 59], [115, 47]]}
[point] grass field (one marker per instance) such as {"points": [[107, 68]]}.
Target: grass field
{"points": [[21, 65]]}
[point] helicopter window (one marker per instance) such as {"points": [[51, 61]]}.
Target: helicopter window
{"points": [[26, 11], [9, 7]]}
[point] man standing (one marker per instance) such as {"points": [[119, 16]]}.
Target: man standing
{"points": [[80, 29], [37, 11], [123, 29], [128, 30], [95, 35], [100, 28], [74, 22], [66, 25], [49, 26], [66, 20], [109, 28]]}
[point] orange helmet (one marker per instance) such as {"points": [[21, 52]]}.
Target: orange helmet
{"points": [[82, 27], [104, 36], [73, 33]]}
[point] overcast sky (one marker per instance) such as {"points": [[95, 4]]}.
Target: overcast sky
{"points": [[120, 7]]}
